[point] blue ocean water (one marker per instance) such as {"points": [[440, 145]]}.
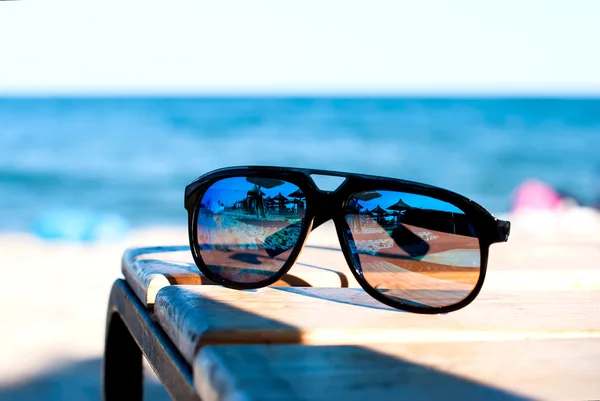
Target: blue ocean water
{"points": [[132, 157]]}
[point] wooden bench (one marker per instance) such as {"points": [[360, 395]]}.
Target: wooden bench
{"points": [[208, 342]]}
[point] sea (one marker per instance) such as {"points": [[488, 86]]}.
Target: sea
{"points": [[131, 157]]}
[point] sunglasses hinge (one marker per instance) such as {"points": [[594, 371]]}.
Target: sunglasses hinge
{"points": [[502, 230]]}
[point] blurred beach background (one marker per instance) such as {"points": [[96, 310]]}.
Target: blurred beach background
{"points": [[108, 109]]}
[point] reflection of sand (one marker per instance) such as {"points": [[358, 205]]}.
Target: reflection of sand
{"points": [[245, 249], [376, 265], [425, 288], [437, 241], [443, 271], [455, 257], [445, 275]]}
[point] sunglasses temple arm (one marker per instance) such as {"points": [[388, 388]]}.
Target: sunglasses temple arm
{"points": [[502, 230]]}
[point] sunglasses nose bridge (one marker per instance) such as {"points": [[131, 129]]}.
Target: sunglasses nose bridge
{"points": [[328, 206]]}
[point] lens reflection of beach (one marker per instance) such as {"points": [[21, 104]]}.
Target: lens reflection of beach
{"points": [[243, 248], [430, 267]]}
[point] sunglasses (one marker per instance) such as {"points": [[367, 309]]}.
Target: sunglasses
{"points": [[411, 246]]}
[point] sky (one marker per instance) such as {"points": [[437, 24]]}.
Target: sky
{"points": [[299, 47]]}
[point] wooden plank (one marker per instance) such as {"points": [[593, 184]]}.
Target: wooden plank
{"points": [[195, 316], [147, 270], [499, 370], [146, 277]]}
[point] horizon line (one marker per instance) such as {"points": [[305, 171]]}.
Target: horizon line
{"points": [[300, 95]]}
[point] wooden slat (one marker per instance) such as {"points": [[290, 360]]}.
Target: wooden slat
{"points": [[147, 270], [541, 369], [195, 316]]}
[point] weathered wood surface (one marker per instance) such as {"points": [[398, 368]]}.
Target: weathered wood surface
{"points": [[540, 369], [195, 316], [527, 334], [147, 270]]}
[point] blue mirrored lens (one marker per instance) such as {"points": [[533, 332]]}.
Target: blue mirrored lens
{"points": [[412, 248], [248, 226]]}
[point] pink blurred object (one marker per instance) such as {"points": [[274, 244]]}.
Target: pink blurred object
{"points": [[533, 194]]}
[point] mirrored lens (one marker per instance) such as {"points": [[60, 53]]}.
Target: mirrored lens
{"points": [[248, 226], [413, 249]]}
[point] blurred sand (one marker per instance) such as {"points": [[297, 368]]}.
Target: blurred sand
{"points": [[55, 294]]}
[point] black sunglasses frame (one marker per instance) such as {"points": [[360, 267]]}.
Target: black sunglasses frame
{"points": [[322, 206]]}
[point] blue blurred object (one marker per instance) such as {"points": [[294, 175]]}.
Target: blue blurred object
{"points": [[80, 226]]}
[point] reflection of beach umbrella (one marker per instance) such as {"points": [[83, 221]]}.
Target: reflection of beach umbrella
{"points": [[264, 182], [368, 212], [297, 194], [368, 195], [399, 206], [379, 211], [269, 202], [261, 182], [281, 200]]}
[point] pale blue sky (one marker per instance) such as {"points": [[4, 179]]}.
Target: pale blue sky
{"points": [[309, 46]]}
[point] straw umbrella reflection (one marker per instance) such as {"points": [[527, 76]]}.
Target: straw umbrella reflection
{"points": [[399, 207], [298, 197], [379, 213], [354, 206], [257, 194], [269, 202], [281, 201]]}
